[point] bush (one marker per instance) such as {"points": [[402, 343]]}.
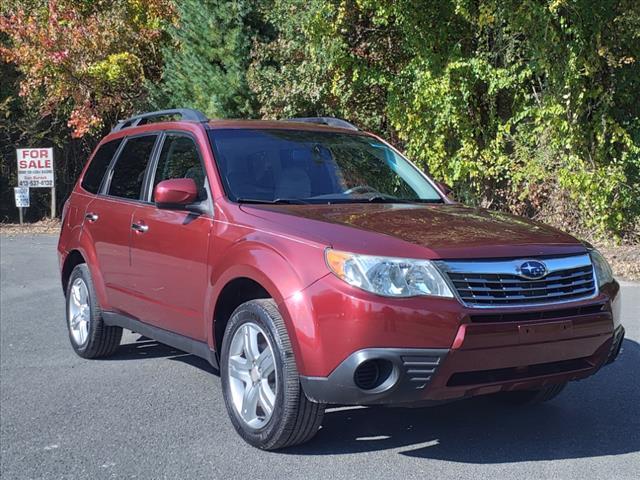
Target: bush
{"points": [[524, 106], [528, 106]]}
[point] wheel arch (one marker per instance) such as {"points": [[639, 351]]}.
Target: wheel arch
{"points": [[72, 260], [236, 292], [87, 255], [248, 281]]}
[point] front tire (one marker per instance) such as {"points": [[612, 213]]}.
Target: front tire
{"points": [[89, 336], [260, 380]]}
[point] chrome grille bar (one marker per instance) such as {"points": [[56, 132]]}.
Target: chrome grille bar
{"points": [[516, 290], [502, 279], [499, 283]]}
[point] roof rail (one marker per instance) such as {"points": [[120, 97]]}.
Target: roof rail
{"points": [[330, 121], [185, 113]]}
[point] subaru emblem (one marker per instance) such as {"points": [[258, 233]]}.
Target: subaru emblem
{"points": [[533, 269]]}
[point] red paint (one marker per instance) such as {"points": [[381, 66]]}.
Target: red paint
{"points": [[420, 231], [169, 267], [177, 191], [171, 276]]}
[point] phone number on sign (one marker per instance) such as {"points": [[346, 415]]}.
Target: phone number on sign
{"points": [[35, 183]]}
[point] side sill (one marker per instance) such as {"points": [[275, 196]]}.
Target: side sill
{"points": [[175, 340]]}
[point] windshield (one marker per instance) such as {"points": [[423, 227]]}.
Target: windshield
{"points": [[291, 166]]}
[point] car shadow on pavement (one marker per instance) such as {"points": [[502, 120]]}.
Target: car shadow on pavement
{"points": [[594, 417], [146, 348]]}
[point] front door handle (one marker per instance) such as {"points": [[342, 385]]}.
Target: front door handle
{"points": [[92, 217], [139, 228]]}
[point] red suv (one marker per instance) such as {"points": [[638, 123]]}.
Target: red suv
{"points": [[313, 264]]}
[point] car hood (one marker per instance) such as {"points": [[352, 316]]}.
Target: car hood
{"points": [[446, 231]]}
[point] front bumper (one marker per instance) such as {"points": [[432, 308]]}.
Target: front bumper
{"points": [[616, 344], [431, 376], [411, 370], [469, 351]]}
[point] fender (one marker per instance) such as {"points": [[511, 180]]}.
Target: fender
{"points": [[84, 244], [68, 236], [251, 258]]}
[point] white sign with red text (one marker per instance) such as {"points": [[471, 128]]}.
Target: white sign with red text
{"points": [[35, 167]]}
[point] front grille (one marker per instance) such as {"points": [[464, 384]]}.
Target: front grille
{"points": [[538, 315], [479, 284]]}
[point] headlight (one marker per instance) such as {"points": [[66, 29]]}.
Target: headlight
{"points": [[390, 277], [603, 270]]}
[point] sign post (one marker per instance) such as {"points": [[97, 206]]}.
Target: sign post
{"points": [[22, 200], [53, 201], [35, 170]]}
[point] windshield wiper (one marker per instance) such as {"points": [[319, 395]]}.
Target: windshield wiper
{"points": [[382, 199], [374, 199], [385, 199], [284, 201]]}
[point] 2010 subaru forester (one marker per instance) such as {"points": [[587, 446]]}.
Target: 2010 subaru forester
{"points": [[314, 264]]}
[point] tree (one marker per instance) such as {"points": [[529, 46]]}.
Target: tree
{"points": [[528, 106], [523, 105], [68, 70], [86, 60], [327, 58], [206, 60]]}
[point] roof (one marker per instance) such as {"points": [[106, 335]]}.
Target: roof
{"points": [[276, 124], [144, 121]]}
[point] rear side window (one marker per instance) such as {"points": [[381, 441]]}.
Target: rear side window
{"points": [[95, 171], [179, 158], [128, 172]]}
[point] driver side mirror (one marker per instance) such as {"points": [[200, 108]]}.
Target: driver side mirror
{"points": [[175, 193]]}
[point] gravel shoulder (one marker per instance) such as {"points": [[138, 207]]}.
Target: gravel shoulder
{"points": [[624, 260]]}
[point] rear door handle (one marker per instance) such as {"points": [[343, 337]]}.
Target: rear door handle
{"points": [[92, 217], [139, 228]]}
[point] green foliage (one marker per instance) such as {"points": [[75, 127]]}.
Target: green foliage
{"points": [[522, 105], [117, 68], [85, 61], [68, 70], [528, 106], [207, 59], [327, 58]]}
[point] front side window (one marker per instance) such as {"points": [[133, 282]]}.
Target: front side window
{"points": [[95, 171], [179, 158], [277, 165], [128, 173]]}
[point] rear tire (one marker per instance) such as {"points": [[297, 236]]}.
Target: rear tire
{"points": [[89, 336], [283, 416], [532, 397]]}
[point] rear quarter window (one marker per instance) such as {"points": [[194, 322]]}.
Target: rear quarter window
{"points": [[97, 168]]}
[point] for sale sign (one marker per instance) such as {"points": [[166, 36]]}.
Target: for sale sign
{"points": [[22, 196], [35, 167]]}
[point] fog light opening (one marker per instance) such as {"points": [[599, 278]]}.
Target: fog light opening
{"points": [[371, 374]]}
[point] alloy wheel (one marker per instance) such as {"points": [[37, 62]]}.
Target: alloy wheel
{"points": [[79, 312], [252, 375]]}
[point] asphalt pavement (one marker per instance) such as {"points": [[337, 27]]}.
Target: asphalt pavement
{"points": [[153, 412]]}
